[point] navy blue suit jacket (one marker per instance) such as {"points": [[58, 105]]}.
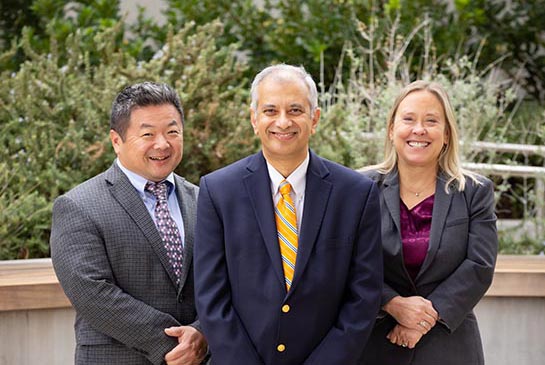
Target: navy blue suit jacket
{"points": [[240, 292]]}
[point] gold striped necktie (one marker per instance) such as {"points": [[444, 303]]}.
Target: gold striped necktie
{"points": [[286, 225]]}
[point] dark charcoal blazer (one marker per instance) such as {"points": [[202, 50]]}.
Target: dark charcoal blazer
{"points": [[240, 290], [455, 275], [112, 265]]}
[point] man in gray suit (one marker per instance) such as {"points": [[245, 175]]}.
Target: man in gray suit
{"points": [[122, 242]]}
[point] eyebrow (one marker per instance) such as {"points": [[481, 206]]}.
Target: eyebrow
{"points": [[410, 112], [146, 125], [291, 105]]}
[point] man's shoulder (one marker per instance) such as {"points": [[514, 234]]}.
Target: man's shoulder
{"points": [[181, 181], [235, 170], [372, 173], [89, 187]]}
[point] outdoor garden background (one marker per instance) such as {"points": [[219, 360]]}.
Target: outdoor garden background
{"points": [[62, 63]]}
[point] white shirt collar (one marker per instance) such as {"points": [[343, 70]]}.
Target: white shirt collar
{"points": [[297, 178], [139, 182]]}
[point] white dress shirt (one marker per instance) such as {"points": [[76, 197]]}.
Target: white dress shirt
{"points": [[298, 181]]}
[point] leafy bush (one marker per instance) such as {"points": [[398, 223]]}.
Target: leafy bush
{"points": [[54, 115], [307, 32], [355, 114], [62, 72], [356, 107]]}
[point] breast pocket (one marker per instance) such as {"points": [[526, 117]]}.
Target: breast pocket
{"points": [[453, 244]]}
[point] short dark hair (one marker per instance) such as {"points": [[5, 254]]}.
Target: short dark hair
{"points": [[140, 95]]}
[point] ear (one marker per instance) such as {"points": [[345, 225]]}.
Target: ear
{"points": [[116, 140], [253, 120], [315, 120]]}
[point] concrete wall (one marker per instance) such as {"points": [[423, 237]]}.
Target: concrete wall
{"points": [[513, 330], [42, 336], [36, 321]]}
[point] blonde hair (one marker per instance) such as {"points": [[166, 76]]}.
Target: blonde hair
{"points": [[449, 158]]}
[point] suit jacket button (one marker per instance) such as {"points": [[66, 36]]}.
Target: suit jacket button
{"points": [[285, 308], [281, 347]]}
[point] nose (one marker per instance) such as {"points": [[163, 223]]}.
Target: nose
{"points": [[161, 142], [419, 128], [283, 121]]}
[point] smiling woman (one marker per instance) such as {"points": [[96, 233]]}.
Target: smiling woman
{"points": [[438, 235]]}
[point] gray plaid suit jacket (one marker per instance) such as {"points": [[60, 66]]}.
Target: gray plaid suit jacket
{"points": [[112, 265]]}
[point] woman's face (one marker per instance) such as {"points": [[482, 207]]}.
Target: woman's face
{"points": [[419, 130]]}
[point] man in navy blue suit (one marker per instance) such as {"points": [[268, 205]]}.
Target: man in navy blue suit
{"points": [[287, 277]]}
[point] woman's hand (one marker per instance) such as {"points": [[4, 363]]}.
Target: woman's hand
{"points": [[403, 336], [415, 313]]}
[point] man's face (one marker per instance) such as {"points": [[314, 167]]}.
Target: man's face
{"points": [[283, 119], [153, 144]]}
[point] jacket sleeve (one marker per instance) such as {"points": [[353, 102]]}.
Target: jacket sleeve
{"points": [[345, 341], [456, 296], [227, 338], [84, 272]]}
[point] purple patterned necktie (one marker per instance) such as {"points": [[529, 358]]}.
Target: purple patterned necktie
{"points": [[167, 227]]}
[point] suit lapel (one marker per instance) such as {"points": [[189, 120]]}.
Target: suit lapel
{"points": [[127, 196], [317, 193], [187, 203], [441, 205], [391, 204], [258, 186]]}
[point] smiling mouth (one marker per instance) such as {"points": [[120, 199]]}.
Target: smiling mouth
{"points": [[159, 158], [284, 134], [420, 144]]}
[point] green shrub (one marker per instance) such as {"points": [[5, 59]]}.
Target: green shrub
{"points": [[355, 107], [54, 119], [355, 114]]}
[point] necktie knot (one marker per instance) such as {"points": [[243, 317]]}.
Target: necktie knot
{"points": [[159, 190], [284, 188]]}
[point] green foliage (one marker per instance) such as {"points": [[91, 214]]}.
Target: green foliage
{"points": [[279, 31], [45, 24], [24, 214], [63, 62], [14, 15], [307, 32], [54, 119], [355, 107]]}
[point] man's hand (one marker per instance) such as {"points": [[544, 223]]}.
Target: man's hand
{"points": [[191, 348], [403, 336], [416, 313]]}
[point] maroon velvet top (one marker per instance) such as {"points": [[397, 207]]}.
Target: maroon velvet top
{"points": [[415, 233]]}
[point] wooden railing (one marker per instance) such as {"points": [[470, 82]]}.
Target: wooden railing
{"points": [[32, 284]]}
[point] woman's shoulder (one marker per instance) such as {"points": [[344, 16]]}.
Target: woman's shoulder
{"points": [[372, 173], [475, 181]]}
